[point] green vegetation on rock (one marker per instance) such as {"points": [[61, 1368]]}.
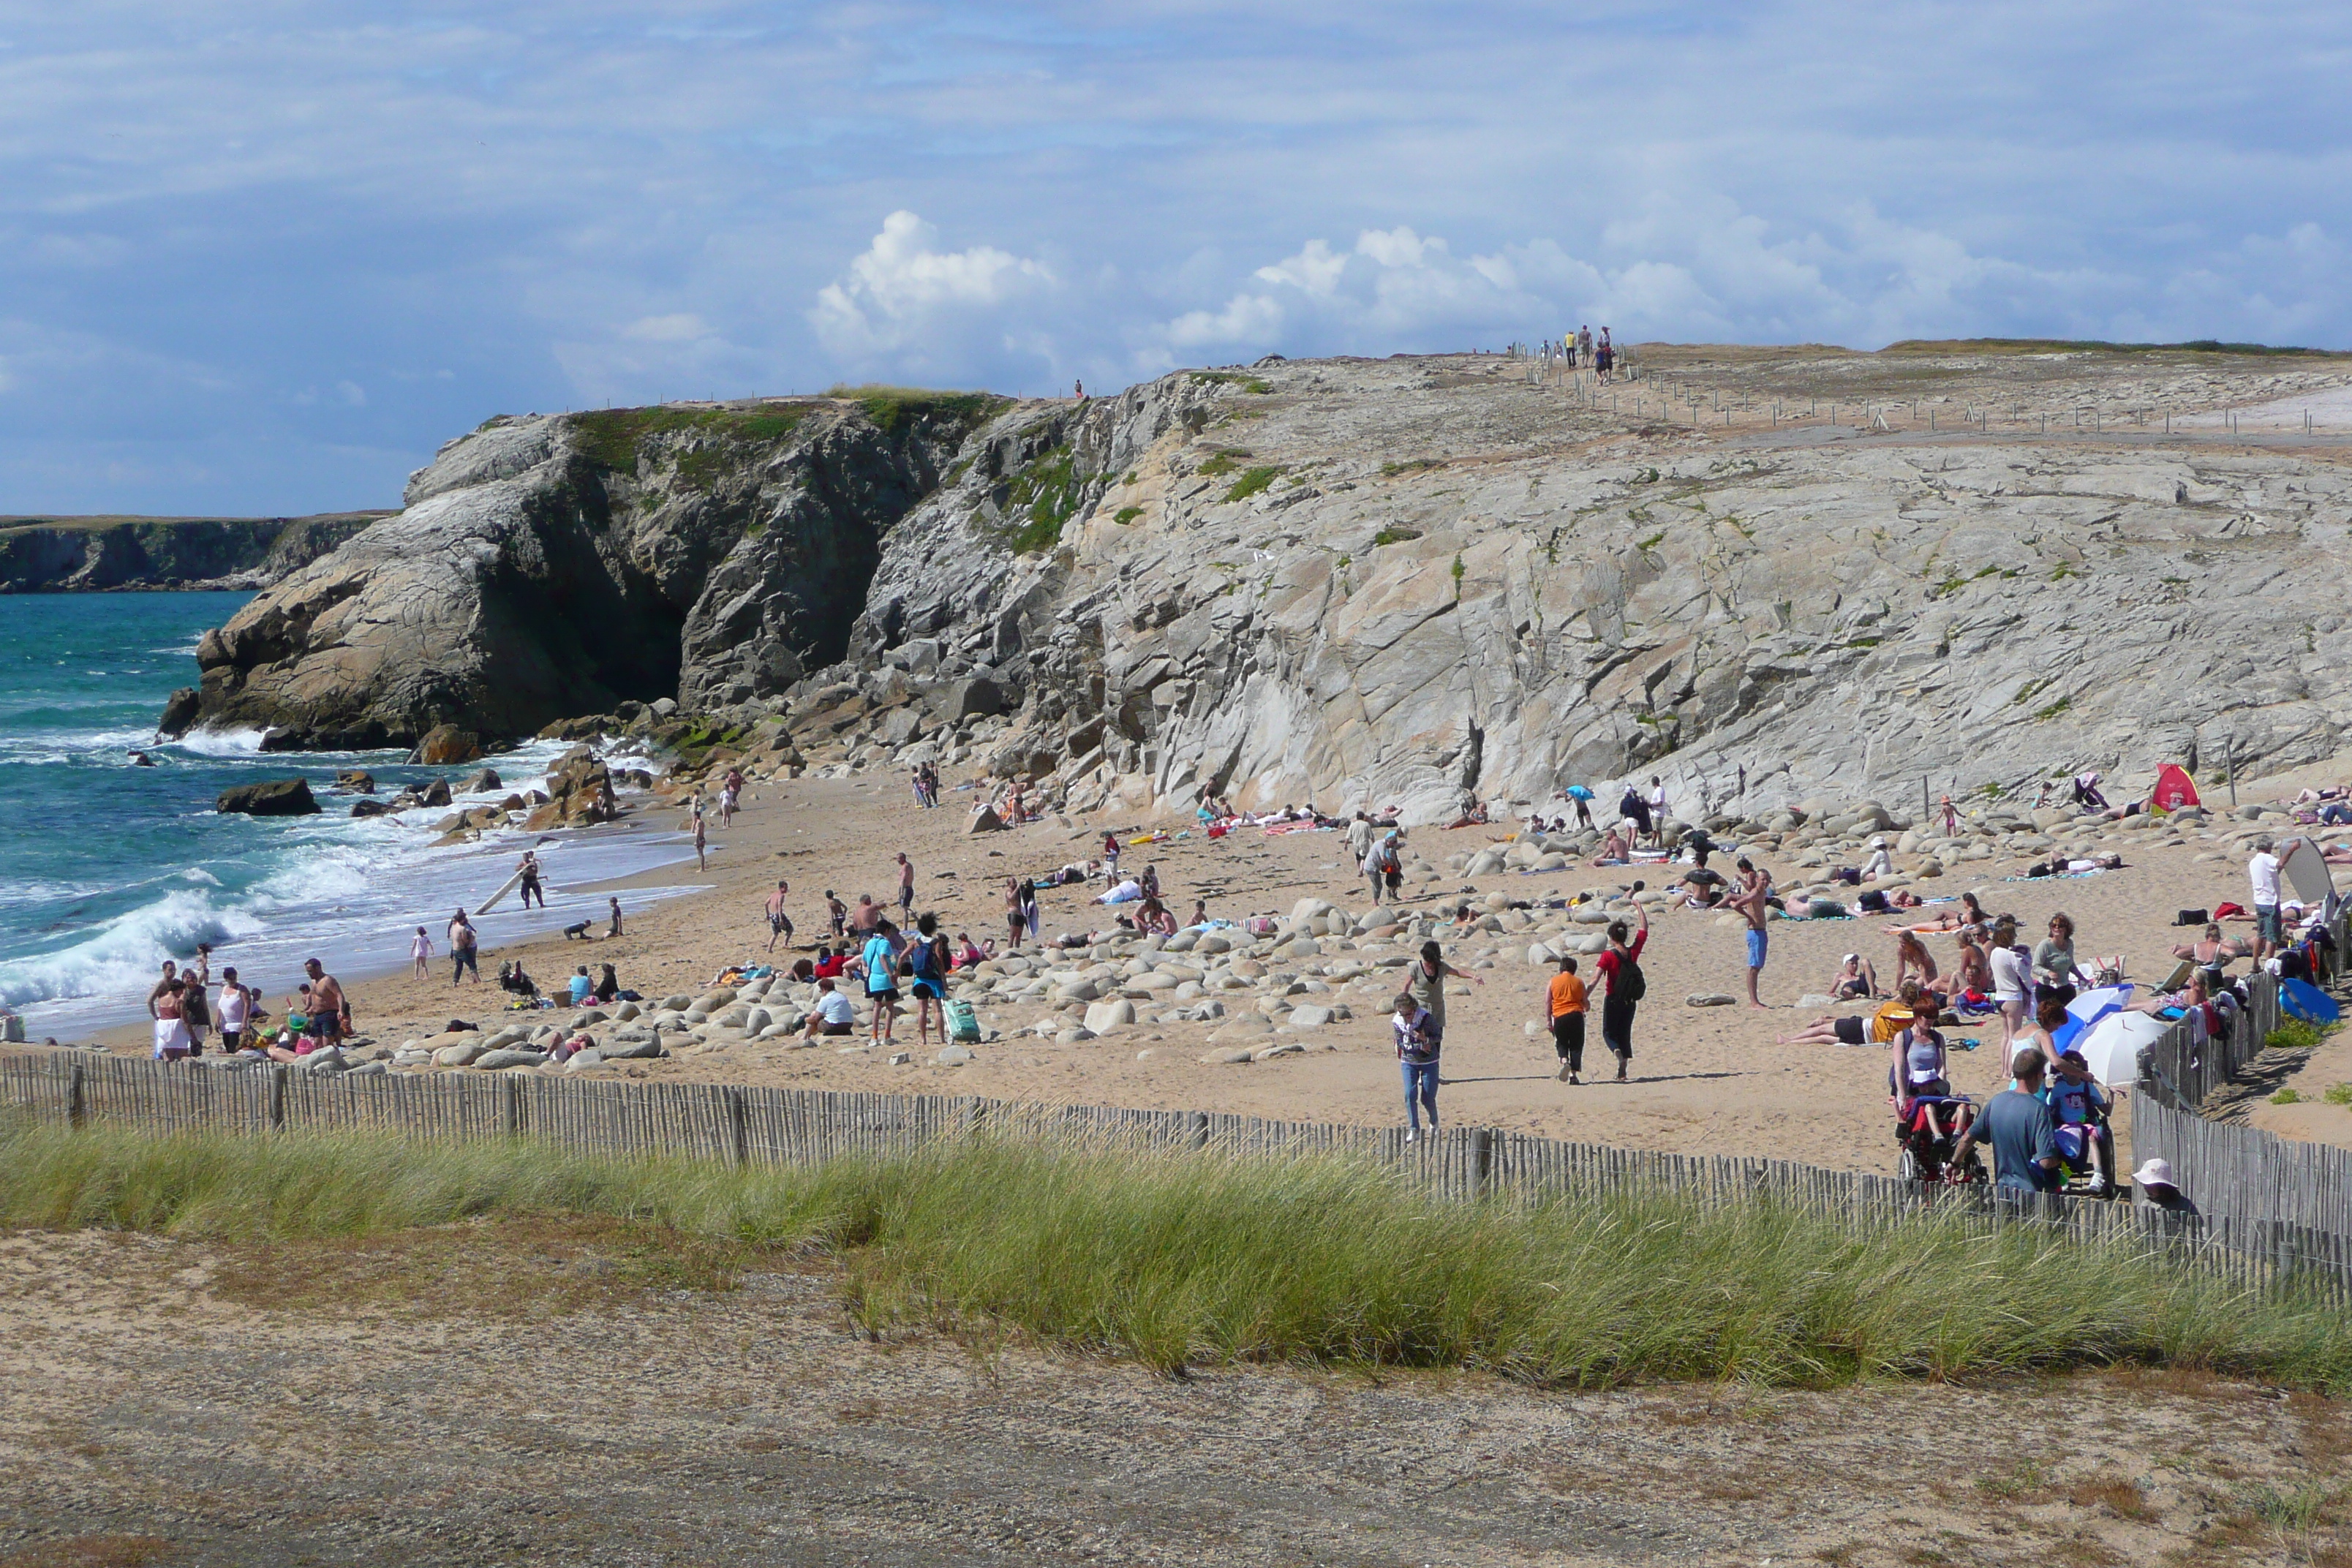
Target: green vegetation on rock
{"points": [[614, 437], [1039, 500], [1253, 481], [892, 406]]}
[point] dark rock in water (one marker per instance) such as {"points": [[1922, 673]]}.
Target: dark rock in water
{"points": [[586, 727], [179, 713], [359, 780], [435, 794], [278, 798], [444, 744], [481, 783], [369, 808]]}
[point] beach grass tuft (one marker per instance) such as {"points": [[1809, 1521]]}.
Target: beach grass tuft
{"points": [[1178, 1259]]}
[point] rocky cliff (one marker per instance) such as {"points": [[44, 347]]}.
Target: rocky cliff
{"points": [[72, 554], [1398, 581], [554, 566]]}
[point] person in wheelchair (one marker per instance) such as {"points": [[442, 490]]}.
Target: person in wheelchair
{"points": [[1920, 1075], [2081, 1107]]}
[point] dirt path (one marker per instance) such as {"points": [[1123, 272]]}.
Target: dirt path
{"points": [[556, 1394]]}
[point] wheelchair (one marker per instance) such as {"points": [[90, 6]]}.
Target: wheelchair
{"points": [[1924, 1154]]}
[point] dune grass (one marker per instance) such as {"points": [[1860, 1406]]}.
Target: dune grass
{"points": [[1190, 1260]]}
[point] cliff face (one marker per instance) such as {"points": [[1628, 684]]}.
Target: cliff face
{"points": [[1403, 582], [1414, 582], [51, 555], [549, 566]]}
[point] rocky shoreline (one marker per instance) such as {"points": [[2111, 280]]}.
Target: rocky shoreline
{"points": [[142, 555]]}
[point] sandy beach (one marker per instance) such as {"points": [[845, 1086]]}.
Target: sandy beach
{"points": [[1704, 1079]]}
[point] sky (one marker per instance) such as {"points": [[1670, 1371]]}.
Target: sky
{"points": [[264, 258]]}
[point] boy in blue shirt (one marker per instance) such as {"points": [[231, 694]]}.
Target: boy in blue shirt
{"points": [[2080, 1108]]}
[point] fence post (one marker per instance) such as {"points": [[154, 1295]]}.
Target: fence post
{"points": [[739, 1117], [1482, 1158], [77, 1110], [278, 1076], [1200, 1129], [510, 1106]]}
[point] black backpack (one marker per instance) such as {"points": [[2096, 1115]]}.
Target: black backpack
{"points": [[1628, 986]]}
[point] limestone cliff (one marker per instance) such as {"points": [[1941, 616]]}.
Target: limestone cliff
{"points": [[552, 565], [1416, 581], [76, 554], [1400, 581]]}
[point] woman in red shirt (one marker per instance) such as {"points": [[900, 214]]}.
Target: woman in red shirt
{"points": [[1620, 966]]}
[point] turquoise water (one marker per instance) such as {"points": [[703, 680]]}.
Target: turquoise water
{"points": [[110, 868]]}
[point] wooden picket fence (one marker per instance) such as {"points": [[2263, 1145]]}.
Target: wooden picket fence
{"points": [[782, 1126]]}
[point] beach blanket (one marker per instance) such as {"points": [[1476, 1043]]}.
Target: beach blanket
{"points": [[2061, 876]]}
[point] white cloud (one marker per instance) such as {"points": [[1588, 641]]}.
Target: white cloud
{"points": [[902, 288], [682, 327]]}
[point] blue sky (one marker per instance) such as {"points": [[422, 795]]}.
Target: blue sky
{"points": [[265, 256]]}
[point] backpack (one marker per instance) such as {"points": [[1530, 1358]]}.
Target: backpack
{"points": [[1630, 984], [923, 961]]}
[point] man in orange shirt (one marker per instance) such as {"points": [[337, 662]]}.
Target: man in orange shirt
{"points": [[1566, 1000]]}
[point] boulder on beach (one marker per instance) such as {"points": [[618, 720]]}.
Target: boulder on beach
{"points": [[276, 797], [359, 780], [444, 745]]}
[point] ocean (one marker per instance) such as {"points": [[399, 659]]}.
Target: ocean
{"points": [[110, 868]]}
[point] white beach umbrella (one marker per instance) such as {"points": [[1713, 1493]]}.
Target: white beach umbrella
{"points": [[2112, 1046]]}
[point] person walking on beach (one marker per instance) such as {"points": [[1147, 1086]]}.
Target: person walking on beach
{"points": [[420, 954], [235, 1012], [463, 942], [701, 839], [880, 957], [331, 1010], [1657, 804], [1754, 889], [530, 888], [906, 886], [1425, 978], [195, 1010], [2263, 873], [838, 913], [1419, 1039], [614, 929], [780, 924], [927, 961], [1014, 917], [1620, 965], [171, 1029], [1565, 1000]]}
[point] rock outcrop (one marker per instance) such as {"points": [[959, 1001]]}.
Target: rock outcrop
{"points": [[553, 565], [68, 554], [1407, 581], [274, 797], [1415, 582]]}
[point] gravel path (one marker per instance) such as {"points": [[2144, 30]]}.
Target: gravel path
{"points": [[545, 1410]]}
